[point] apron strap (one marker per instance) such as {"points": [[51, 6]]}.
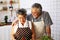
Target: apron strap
{"points": [[28, 24], [42, 19], [18, 25]]}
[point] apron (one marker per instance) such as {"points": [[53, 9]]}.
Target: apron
{"points": [[39, 29], [23, 33]]}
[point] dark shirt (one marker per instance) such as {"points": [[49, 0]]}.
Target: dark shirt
{"points": [[45, 15]]}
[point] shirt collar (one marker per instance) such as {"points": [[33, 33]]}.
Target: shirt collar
{"points": [[25, 24], [38, 19]]}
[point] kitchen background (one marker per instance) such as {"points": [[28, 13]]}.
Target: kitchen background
{"points": [[52, 6]]}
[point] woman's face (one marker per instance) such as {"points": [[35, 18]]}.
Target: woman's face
{"points": [[22, 18], [35, 12]]}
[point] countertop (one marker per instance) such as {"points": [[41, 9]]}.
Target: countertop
{"points": [[3, 23]]}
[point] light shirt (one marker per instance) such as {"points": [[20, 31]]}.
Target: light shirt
{"points": [[26, 24]]}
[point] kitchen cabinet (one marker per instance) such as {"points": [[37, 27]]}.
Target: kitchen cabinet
{"points": [[5, 32]]}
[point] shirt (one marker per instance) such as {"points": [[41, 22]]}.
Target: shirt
{"points": [[26, 24], [46, 17]]}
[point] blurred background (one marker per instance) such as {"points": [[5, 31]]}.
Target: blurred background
{"points": [[8, 8]]}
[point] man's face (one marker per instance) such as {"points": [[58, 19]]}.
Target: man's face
{"points": [[35, 12]]}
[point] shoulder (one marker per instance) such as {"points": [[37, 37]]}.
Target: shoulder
{"points": [[29, 17], [45, 13], [15, 22]]}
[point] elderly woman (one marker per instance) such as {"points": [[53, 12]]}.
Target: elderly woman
{"points": [[22, 29]]}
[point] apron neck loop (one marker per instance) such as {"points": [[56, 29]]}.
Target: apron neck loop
{"points": [[18, 24], [28, 24]]}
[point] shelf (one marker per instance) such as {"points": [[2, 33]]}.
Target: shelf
{"points": [[15, 3], [3, 10], [8, 3], [3, 23], [3, 3]]}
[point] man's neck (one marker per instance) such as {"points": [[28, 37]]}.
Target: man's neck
{"points": [[38, 16]]}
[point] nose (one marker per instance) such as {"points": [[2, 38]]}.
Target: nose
{"points": [[21, 19]]}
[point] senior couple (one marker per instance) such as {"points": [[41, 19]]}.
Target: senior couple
{"points": [[33, 26]]}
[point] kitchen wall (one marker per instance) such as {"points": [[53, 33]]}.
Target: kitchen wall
{"points": [[52, 6]]}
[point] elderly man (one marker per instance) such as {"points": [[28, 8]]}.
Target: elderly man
{"points": [[41, 21]]}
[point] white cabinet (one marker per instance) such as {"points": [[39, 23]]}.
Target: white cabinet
{"points": [[5, 32]]}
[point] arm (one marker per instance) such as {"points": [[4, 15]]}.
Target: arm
{"points": [[33, 33], [48, 23], [12, 29], [48, 30], [12, 33]]}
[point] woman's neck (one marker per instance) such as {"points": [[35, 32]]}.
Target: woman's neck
{"points": [[23, 23]]}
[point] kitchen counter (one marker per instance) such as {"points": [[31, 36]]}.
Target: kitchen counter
{"points": [[3, 23], [5, 32]]}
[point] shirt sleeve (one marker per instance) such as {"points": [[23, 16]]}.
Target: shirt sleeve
{"points": [[47, 19]]}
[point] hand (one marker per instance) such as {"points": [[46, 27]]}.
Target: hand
{"points": [[33, 37]]}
